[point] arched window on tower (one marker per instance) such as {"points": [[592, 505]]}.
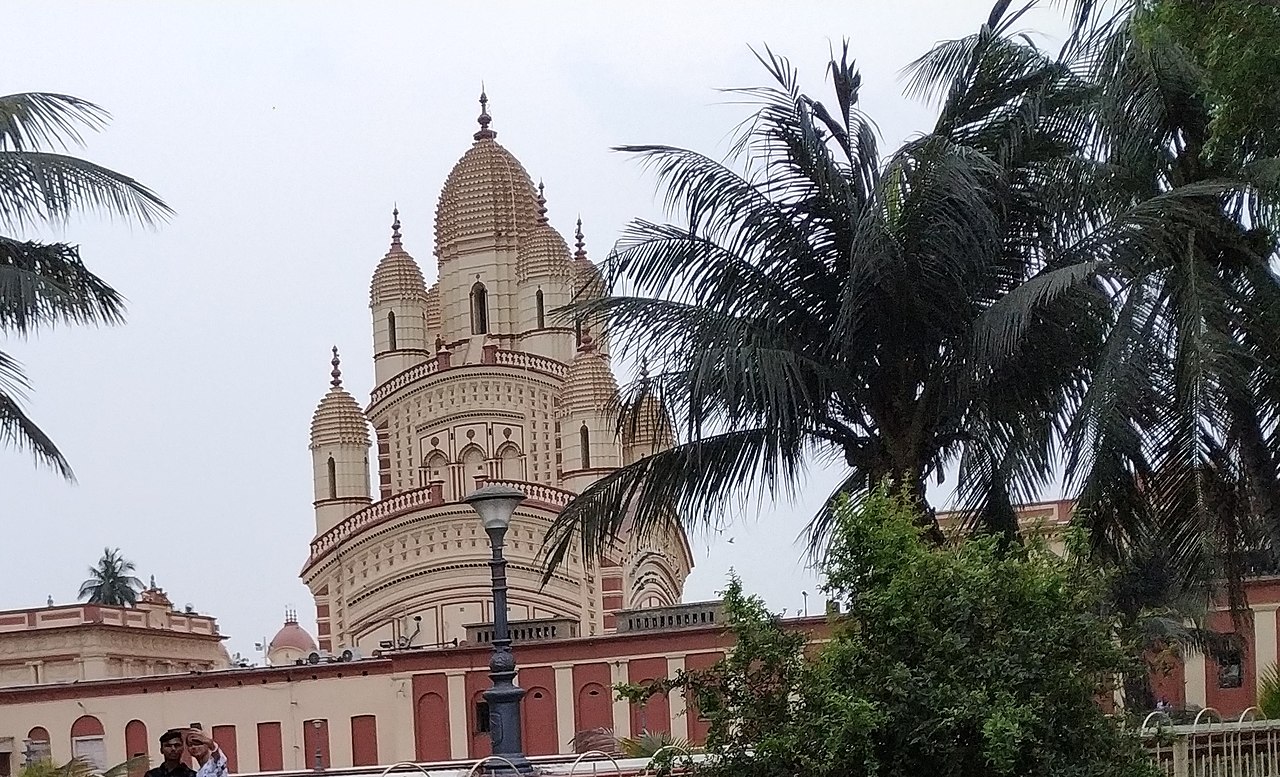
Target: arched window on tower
{"points": [[542, 313], [584, 439], [333, 479], [391, 328], [479, 309]]}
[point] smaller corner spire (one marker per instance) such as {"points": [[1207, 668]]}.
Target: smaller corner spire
{"points": [[484, 119], [585, 343], [337, 370], [644, 369], [580, 242], [542, 202], [153, 582], [395, 225]]}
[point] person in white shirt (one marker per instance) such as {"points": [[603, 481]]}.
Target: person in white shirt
{"points": [[213, 762]]}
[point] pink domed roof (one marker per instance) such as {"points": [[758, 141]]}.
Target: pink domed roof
{"points": [[291, 635]]}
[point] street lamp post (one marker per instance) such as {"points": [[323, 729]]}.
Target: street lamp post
{"points": [[495, 505]]}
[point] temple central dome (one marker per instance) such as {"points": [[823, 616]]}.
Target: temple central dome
{"points": [[488, 193]]}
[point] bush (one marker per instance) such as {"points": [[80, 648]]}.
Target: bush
{"points": [[976, 659]]}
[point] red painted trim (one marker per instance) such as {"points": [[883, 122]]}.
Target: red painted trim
{"points": [[364, 740], [225, 736], [270, 748], [87, 726], [431, 727]]}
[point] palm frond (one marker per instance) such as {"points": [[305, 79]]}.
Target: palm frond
{"points": [[42, 284], [34, 120], [39, 186], [17, 430]]}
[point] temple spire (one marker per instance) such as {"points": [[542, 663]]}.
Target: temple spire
{"points": [[484, 118], [395, 226], [581, 244], [542, 203], [337, 370]]}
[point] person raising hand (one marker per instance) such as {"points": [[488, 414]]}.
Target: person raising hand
{"points": [[213, 762]]}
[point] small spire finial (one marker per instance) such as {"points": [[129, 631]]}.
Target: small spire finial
{"points": [[153, 582], [50, 600], [395, 226], [484, 117], [542, 202], [337, 369], [644, 368], [581, 253]]}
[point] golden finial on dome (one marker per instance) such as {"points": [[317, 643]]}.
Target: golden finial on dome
{"points": [[337, 371], [395, 226], [542, 203], [484, 119]]}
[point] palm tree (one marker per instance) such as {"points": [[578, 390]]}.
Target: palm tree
{"points": [[43, 284], [1181, 420], [111, 582], [820, 302]]}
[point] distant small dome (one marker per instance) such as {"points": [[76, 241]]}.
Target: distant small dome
{"points": [[291, 636], [488, 192], [338, 418], [397, 276], [590, 385], [542, 254]]}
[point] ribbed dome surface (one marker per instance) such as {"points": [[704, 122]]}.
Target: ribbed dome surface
{"points": [[542, 254], [590, 384], [650, 427], [431, 308], [338, 419], [488, 192], [397, 277]]}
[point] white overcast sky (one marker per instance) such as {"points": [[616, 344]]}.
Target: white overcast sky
{"points": [[281, 133]]}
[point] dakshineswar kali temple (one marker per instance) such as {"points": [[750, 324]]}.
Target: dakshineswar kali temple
{"points": [[477, 381]]}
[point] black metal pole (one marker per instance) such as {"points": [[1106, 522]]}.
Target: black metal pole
{"points": [[504, 697]]}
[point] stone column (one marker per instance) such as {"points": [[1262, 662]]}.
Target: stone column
{"points": [[676, 701], [619, 673], [1264, 640], [564, 706], [458, 713]]}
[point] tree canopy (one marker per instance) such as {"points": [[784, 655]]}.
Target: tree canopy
{"points": [[1049, 280], [111, 581], [972, 659]]}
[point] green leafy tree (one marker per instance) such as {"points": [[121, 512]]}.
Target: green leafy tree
{"points": [[943, 308], [975, 659], [111, 581], [44, 284]]}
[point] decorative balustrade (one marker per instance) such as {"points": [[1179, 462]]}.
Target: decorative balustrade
{"points": [[518, 359], [532, 361], [681, 616], [536, 492], [428, 496], [400, 380], [548, 497]]}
